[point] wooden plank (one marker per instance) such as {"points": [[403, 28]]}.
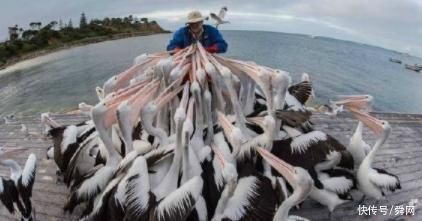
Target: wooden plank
{"points": [[401, 155]]}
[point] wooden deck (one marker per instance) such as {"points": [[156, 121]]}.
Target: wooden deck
{"points": [[401, 155]]}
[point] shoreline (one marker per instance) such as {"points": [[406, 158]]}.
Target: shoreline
{"points": [[78, 43]]}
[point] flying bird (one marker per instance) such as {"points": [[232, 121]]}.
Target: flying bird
{"points": [[219, 18]]}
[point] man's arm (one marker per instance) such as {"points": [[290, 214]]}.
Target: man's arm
{"points": [[177, 41], [219, 45]]}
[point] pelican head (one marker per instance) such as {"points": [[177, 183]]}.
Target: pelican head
{"points": [[233, 133], [297, 177], [374, 124], [228, 170], [100, 93]]}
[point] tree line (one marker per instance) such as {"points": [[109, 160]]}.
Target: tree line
{"points": [[57, 33]]}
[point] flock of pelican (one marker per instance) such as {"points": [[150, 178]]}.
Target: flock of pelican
{"points": [[197, 136]]}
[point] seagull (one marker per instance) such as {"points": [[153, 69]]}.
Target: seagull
{"points": [[219, 18], [9, 118]]}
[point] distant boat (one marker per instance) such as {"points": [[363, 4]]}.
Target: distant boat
{"points": [[416, 68], [395, 60]]}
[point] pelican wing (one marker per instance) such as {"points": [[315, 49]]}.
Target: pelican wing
{"points": [[251, 200], [301, 91], [222, 12], [179, 204], [8, 193], [26, 181], [92, 184], [98, 212], [338, 185], [383, 179], [138, 196], [293, 118], [75, 158]]}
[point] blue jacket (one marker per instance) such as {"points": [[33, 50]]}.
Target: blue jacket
{"points": [[183, 38]]}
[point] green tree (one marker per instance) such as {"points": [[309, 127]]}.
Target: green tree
{"points": [[82, 21], [53, 24], [35, 25], [70, 24], [144, 20], [106, 21], [61, 24], [13, 33], [28, 34]]}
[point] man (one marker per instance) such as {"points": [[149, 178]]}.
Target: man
{"points": [[195, 31]]}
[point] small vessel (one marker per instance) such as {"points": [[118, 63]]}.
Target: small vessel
{"points": [[415, 67], [395, 60]]}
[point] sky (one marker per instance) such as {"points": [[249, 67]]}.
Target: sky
{"points": [[392, 24]]}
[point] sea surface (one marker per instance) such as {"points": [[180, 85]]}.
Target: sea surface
{"points": [[61, 80]]}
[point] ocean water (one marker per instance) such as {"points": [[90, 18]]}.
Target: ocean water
{"points": [[61, 80]]}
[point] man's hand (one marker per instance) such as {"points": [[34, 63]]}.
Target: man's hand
{"points": [[175, 50], [212, 49]]}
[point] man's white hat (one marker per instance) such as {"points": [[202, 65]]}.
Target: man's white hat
{"points": [[194, 16]]}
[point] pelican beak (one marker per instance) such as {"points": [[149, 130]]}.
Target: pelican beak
{"points": [[124, 94], [9, 152], [371, 122], [124, 77], [354, 101], [167, 96], [140, 99], [225, 123], [219, 155], [285, 169], [110, 116]]}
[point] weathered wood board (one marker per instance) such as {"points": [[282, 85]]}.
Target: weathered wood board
{"points": [[402, 155]]}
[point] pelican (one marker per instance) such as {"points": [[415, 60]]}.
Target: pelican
{"points": [[103, 115], [373, 182], [167, 201], [297, 177], [255, 186], [218, 19], [311, 149], [18, 190], [357, 146]]}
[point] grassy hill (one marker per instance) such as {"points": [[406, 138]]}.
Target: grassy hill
{"points": [[40, 39]]}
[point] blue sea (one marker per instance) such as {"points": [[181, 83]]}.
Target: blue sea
{"points": [[61, 80]]}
